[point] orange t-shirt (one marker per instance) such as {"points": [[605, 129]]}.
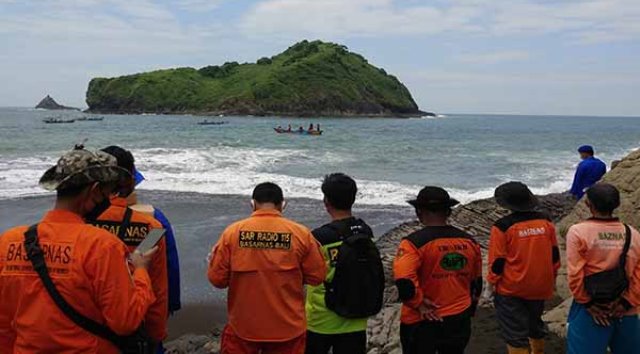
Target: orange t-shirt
{"points": [[89, 268], [155, 321], [442, 264], [594, 246], [523, 256], [265, 260]]}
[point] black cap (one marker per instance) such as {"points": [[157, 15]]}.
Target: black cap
{"points": [[433, 198], [516, 196], [604, 197]]}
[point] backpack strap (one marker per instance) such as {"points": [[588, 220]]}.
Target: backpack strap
{"points": [[627, 246], [126, 222], [36, 256]]}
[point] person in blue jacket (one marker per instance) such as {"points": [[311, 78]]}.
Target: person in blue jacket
{"points": [[173, 262], [589, 171]]}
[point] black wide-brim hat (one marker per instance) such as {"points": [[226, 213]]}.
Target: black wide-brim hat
{"points": [[516, 196], [433, 197]]}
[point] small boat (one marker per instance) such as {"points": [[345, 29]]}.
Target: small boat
{"points": [[94, 119], [299, 132], [206, 122], [58, 121]]}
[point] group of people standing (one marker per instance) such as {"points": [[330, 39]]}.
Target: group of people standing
{"points": [[73, 283]]}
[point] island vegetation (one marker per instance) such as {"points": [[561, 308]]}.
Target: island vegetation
{"points": [[308, 79]]}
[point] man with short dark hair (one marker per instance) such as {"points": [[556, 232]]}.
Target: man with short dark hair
{"points": [[594, 247], [326, 329], [523, 264], [589, 171], [265, 260], [87, 265], [438, 273], [132, 227]]}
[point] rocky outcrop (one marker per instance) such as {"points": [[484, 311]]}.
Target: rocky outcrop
{"points": [[49, 103]]}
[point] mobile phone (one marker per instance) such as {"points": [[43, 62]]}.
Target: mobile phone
{"points": [[150, 241]]}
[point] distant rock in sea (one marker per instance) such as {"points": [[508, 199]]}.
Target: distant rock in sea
{"points": [[49, 103], [308, 79]]}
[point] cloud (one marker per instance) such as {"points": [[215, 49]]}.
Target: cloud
{"points": [[198, 5], [585, 21], [353, 18], [493, 57]]}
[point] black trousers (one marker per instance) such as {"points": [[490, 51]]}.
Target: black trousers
{"points": [[519, 320], [346, 343], [448, 337]]}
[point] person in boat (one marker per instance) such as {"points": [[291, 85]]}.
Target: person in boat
{"points": [[311, 128], [301, 129], [289, 129], [318, 127], [279, 128]]}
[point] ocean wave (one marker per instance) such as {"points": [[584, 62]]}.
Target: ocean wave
{"points": [[235, 171]]}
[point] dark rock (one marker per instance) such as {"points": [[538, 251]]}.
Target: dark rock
{"points": [[49, 103]]}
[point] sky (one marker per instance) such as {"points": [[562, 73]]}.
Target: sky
{"points": [[565, 57]]}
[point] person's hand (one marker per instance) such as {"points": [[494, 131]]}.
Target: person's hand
{"points": [[428, 311], [619, 308], [601, 314], [141, 260]]}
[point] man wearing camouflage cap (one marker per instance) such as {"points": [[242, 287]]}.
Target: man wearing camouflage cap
{"points": [[87, 265]]}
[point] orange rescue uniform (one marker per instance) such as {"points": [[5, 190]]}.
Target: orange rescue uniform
{"points": [[265, 260], [89, 268], [594, 246], [155, 321], [523, 256], [442, 264]]}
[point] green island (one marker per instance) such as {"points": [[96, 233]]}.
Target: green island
{"points": [[308, 79]]}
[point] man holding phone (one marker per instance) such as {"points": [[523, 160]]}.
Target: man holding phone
{"points": [[132, 227], [87, 266], [265, 261]]}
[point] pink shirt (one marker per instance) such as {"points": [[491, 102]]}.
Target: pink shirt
{"points": [[594, 246]]}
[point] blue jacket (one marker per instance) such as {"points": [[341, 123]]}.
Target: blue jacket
{"points": [[589, 172], [173, 263]]}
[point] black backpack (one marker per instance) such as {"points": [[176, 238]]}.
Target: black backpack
{"points": [[357, 287]]}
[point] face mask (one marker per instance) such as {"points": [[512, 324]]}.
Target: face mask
{"points": [[97, 210]]}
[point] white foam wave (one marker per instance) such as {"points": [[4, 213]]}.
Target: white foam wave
{"points": [[224, 170], [236, 170]]}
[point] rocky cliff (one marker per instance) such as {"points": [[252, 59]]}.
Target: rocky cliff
{"points": [[309, 78]]}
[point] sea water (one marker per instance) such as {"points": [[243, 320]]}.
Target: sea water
{"points": [[391, 158]]}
